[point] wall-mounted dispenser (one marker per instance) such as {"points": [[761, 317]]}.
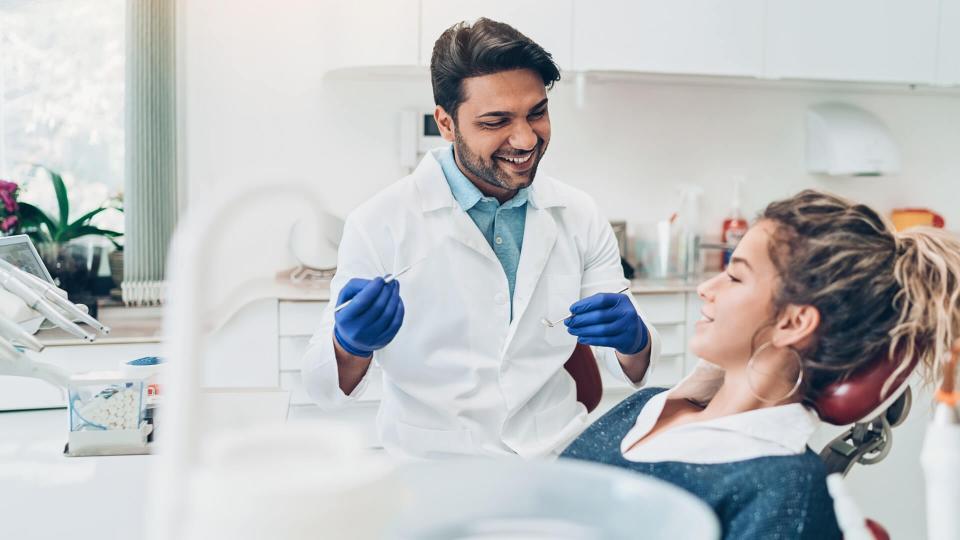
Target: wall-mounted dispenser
{"points": [[843, 140], [418, 135]]}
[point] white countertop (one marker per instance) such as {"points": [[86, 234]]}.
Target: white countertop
{"points": [[44, 494], [321, 292]]}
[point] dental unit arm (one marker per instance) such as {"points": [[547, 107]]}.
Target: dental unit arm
{"points": [[43, 298], [54, 295], [13, 362]]}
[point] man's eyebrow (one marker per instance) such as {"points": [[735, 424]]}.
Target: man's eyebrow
{"points": [[508, 114], [741, 260]]}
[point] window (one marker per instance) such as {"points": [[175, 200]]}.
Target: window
{"points": [[62, 100]]}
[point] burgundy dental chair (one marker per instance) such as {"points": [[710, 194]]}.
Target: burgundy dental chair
{"points": [[855, 400]]}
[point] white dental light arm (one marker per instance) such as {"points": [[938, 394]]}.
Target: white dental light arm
{"points": [[14, 362], [33, 300], [54, 295]]}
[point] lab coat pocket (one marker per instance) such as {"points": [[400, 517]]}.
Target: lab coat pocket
{"points": [[562, 291], [424, 442]]}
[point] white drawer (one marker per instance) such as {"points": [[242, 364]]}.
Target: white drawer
{"points": [[292, 349], [672, 338], [663, 308], [292, 381], [667, 371], [299, 318]]}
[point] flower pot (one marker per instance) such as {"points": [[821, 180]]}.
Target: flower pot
{"points": [[73, 267], [115, 258]]}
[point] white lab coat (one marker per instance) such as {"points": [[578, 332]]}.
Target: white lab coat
{"points": [[460, 377]]}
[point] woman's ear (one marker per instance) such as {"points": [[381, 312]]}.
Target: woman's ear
{"points": [[796, 326]]}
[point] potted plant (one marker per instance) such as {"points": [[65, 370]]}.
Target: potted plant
{"points": [[68, 263]]}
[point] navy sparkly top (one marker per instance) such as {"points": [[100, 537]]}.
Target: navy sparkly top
{"points": [[782, 497]]}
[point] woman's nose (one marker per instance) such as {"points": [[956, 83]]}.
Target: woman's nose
{"points": [[705, 288]]}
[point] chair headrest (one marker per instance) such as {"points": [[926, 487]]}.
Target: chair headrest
{"points": [[858, 397]]}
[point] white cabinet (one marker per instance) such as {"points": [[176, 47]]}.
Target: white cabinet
{"points": [[710, 37], [853, 40], [371, 34], [549, 23], [948, 68]]}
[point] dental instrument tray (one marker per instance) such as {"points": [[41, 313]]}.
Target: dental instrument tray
{"points": [[108, 412]]}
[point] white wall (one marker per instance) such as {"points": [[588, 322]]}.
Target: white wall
{"points": [[257, 110]]}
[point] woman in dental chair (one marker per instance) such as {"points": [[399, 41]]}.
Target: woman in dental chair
{"points": [[817, 288]]}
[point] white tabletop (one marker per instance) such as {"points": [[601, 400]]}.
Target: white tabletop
{"points": [[44, 494]]}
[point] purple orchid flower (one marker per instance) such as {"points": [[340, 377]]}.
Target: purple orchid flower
{"points": [[8, 223]]}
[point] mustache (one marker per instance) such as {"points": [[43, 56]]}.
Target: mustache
{"points": [[518, 153]]}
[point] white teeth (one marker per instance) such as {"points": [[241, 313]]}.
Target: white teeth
{"points": [[518, 160]]}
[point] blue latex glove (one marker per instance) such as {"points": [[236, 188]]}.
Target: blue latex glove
{"points": [[608, 320], [373, 317]]}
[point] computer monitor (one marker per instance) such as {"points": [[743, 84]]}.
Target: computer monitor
{"points": [[19, 251]]}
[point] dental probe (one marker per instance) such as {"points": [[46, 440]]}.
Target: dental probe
{"points": [[550, 324], [33, 300], [387, 279], [49, 293]]}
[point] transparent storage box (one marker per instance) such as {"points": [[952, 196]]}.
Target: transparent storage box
{"points": [[107, 413]]}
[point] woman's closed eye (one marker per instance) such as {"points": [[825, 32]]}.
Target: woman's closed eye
{"points": [[733, 278]]}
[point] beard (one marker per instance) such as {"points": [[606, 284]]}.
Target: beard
{"points": [[489, 171]]}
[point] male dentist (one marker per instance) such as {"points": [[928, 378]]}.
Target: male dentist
{"points": [[468, 367]]}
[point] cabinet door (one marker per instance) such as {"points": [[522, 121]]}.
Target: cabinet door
{"points": [[364, 34], [548, 22], [854, 40], [949, 56], [710, 37]]}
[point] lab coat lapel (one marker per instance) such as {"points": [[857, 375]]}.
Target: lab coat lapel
{"points": [[539, 238], [464, 230], [436, 197]]}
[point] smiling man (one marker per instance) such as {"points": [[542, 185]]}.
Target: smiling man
{"points": [[467, 365]]}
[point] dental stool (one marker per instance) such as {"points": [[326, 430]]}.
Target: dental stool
{"points": [[855, 400]]}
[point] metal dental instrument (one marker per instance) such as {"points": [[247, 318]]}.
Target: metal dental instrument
{"points": [[49, 293], [10, 282], [387, 279], [546, 322]]}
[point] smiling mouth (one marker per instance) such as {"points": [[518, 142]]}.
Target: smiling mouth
{"points": [[517, 163], [704, 317]]}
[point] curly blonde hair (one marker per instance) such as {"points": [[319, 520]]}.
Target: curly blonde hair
{"points": [[882, 295]]}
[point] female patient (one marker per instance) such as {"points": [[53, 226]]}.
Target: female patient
{"points": [[817, 288]]}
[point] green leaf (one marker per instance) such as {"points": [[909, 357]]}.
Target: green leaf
{"points": [[38, 237], [85, 219], [86, 230], [31, 216], [63, 204]]}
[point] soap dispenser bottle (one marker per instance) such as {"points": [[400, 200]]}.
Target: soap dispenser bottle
{"points": [[734, 225]]}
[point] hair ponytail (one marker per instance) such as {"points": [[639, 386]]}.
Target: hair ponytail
{"points": [[928, 270]]}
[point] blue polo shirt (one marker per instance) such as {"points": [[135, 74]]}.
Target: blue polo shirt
{"points": [[501, 224]]}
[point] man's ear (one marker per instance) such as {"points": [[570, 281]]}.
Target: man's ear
{"points": [[444, 123], [796, 326]]}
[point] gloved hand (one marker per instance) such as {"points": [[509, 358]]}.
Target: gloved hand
{"points": [[373, 317], [608, 320]]}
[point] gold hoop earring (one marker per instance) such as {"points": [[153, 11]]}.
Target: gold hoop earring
{"points": [[750, 368]]}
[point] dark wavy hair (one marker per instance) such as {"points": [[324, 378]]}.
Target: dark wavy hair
{"points": [[485, 47], [881, 295]]}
